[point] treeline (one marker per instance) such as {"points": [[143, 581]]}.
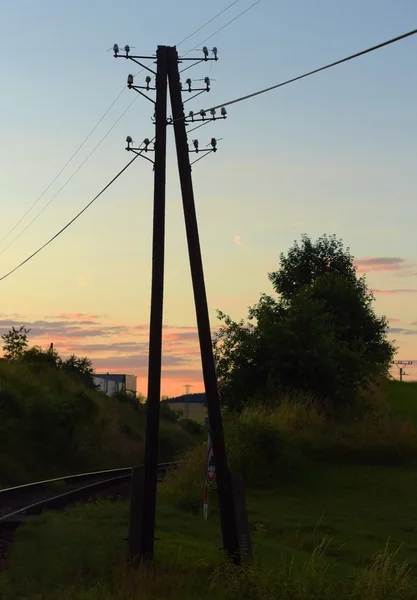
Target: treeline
{"points": [[197, 398], [16, 349]]}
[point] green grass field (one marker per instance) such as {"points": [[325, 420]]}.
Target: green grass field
{"points": [[403, 399], [315, 538], [357, 510]]}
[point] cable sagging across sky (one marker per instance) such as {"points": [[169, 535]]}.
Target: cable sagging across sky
{"points": [[91, 133], [329, 66], [61, 171], [70, 222], [69, 179]]}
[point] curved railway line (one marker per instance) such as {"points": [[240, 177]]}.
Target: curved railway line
{"points": [[19, 503]]}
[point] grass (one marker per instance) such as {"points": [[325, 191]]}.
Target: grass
{"points": [[403, 399], [51, 425], [341, 518], [332, 507]]}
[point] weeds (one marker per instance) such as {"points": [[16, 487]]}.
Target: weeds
{"points": [[384, 578], [51, 425]]}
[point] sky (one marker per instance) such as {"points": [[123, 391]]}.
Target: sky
{"points": [[334, 153]]}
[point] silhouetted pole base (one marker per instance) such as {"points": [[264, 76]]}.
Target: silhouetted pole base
{"points": [[137, 494], [241, 516]]}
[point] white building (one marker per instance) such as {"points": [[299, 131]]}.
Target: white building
{"points": [[110, 383]]}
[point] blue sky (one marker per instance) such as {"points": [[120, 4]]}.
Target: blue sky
{"points": [[334, 153]]}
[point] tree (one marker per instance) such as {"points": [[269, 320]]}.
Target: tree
{"points": [[320, 335], [37, 357], [82, 368], [15, 343], [307, 261]]}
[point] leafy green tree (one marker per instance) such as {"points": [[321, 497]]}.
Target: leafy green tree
{"points": [[320, 335], [35, 356], [15, 343], [305, 262], [82, 368]]}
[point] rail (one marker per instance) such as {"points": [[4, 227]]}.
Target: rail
{"points": [[40, 494], [16, 503]]}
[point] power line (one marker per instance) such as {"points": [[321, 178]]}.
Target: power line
{"points": [[333, 64], [224, 26], [70, 222], [68, 180], [63, 168], [91, 133], [202, 27], [208, 23]]}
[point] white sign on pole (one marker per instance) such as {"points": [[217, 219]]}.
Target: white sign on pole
{"points": [[210, 473]]}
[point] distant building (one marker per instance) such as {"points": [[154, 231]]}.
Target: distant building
{"points": [[110, 383]]}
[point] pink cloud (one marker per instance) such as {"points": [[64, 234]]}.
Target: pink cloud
{"points": [[75, 317], [237, 240], [380, 263], [402, 331], [394, 320], [118, 346], [393, 292]]}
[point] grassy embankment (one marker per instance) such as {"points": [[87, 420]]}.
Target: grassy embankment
{"points": [[51, 425], [332, 507]]}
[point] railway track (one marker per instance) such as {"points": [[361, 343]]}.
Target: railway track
{"points": [[19, 503]]}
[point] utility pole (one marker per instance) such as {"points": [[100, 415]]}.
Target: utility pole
{"points": [[224, 484], [187, 399], [143, 508], [233, 516], [156, 318], [401, 366]]}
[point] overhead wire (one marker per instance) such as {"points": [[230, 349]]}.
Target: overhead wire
{"points": [[72, 220], [63, 168], [224, 26], [241, 99], [96, 147], [69, 178], [328, 66], [208, 22]]}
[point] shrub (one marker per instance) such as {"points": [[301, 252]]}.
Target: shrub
{"points": [[192, 427], [254, 446], [184, 486], [167, 413], [172, 441], [52, 425]]}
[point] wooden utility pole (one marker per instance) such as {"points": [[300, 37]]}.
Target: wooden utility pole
{"points": [[233, 515], [187, 401], [401, 366], [224, 485], [157, 294]]}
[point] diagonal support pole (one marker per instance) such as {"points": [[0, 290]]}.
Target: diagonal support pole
{"points": [[224, 484]]}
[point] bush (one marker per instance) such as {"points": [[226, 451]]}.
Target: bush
{"points": [[173, 441], [52, 425], [255, 447], [167, 413], [192, 427], [184, 486], [273, 446]]}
